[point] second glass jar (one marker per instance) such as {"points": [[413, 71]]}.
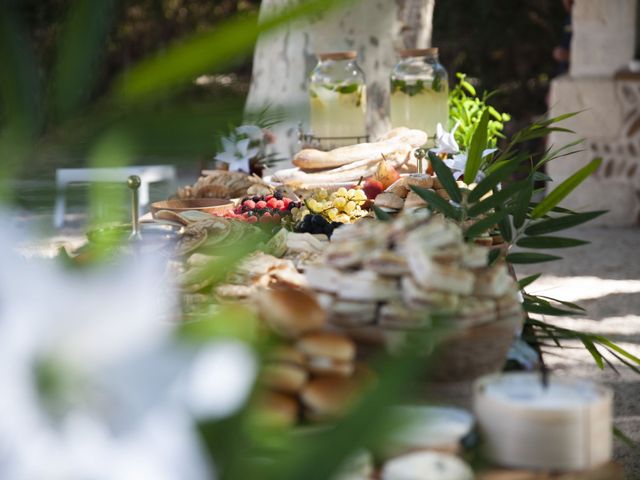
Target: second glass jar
{"points": [[419, 91]]}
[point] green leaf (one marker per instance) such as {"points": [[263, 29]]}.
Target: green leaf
{"points": [[561, 223], [477, 146], [207, 51], [541, 177], [565, 188], [549, 242], [497, 199], [546, 309], [530, 257], [437, 203], [485, 224], [494, 254], [624, 438], [504, 226], [575, 306], [445, 176], [558, 153], [82, 47], [381, 214], [521, 206], [526, 281], [593, 350], [498, 173]]}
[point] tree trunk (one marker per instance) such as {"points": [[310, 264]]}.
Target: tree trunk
{"points": [[375, 28]]}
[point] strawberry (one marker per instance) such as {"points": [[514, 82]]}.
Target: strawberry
{"points": [[272, 203], [268, 197], [286, 201], [252, 219], [261, 204], [249, 204], [280, 205]]}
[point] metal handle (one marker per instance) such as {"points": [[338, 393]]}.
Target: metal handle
{"points": [[133, 182]]}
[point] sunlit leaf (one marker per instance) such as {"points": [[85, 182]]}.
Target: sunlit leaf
{"points": [[525, 282], [549, 242], [477, 146], [565, 188], [561, 223]]}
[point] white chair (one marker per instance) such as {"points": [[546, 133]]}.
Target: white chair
{"points": [[148, 175]]}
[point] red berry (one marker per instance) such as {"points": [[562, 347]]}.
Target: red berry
{"points": [[266, 215], [261, 204], [268, 197], [272, 203], [280, 205], [250, 204], [286, 202], [245, 215], [252, 219]]}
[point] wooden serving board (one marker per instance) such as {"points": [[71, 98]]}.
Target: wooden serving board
{"points": [[610, 471]]}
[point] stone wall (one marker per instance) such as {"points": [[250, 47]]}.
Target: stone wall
{"points": [[609, 102]]}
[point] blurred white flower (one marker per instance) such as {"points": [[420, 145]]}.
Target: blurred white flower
{"points": [[92, 376], [242, 145], [458, 163]]}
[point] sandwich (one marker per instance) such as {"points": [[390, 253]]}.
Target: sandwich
{"points": [[328, 353]]}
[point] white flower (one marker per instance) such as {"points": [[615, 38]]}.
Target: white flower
{"points": [[459, 162], [240, 147], [446, 141], [93, 378]]}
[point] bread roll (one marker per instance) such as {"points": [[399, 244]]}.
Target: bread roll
{"points": [[290, 312]]}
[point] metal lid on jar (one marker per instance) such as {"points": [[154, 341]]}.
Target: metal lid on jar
{"points": [[419, 52], [346, 55]]}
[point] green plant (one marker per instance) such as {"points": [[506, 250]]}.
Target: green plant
{"points": [[466, 110]]}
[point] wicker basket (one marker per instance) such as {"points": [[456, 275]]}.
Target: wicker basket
{"points": [[463, 355]]}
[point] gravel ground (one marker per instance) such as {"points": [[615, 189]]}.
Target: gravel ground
{"points": [[603, 277]]}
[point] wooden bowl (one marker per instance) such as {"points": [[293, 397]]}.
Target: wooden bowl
{"points": [[208, 205]]}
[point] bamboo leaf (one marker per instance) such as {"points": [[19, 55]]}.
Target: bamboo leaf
{"points": [[575, 306], [437, 203], [549, 242], [624, 438], [565, 188], [546, 310], [445, 176], [494, 254], [561, 223], [477, 146], [381, 214], [504, 226], [526, 281], [530, 257], [485, 224], [498, 174], [521, 205], [82, 46], [593, 350]]}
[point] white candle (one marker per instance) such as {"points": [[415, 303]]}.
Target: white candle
{"points": [[566, 426]]}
